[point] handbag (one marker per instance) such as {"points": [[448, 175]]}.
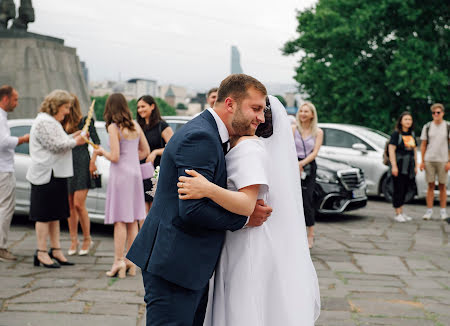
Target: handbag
{"points": [[307, 168], [97, 181], [147, 170]]}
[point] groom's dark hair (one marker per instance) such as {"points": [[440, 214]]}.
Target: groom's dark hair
{"points": [[236, 86]]}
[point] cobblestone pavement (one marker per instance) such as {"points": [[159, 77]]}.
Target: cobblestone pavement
{"points": [[371, 271]]}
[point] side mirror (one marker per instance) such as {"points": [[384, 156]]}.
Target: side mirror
{"points": [[360, 147]]}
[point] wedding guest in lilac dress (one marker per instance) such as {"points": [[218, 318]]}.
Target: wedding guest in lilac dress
{"points": [[125, 204]]}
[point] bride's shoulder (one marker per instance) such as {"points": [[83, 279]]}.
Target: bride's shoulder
{"points": [[246, 138], [248, 145]]}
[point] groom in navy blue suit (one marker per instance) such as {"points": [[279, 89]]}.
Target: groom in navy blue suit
{"points": [[180, 242]]}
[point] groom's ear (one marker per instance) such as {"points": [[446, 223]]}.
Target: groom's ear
{"points": [[229, 104]]}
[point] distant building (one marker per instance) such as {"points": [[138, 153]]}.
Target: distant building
{"points": [[235, 61], [101, 88], [85, 71], [179, 92], [290, 99], [137, 87], [200, 98], [193, 109], [169, 97]]}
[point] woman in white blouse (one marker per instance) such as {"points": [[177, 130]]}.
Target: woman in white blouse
{"points": [[51, 165]]}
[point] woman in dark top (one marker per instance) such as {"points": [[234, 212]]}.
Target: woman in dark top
{"points": [[158, 134], [402, 157], [82, 180]]}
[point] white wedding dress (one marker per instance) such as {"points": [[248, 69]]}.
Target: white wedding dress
{"points": [[265, 276]]}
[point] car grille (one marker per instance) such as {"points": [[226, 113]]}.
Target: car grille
{"points": [[351, 179]]}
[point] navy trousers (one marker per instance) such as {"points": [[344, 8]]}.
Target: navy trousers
{"points": [[169, 304]]}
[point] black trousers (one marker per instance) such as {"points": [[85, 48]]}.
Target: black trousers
{"points": [[171, 305], [308, 185], [401, 185]]}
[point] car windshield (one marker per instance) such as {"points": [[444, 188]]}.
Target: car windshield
{"points": [[376, 136]]}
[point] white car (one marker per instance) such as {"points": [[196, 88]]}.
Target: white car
{"points": [[364, 147], [95, 202]]}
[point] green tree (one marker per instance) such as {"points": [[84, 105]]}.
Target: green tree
{"points": [[164, 107], [181, 106], [364, 62], [99, 106], [133, 107], [281, 99]]}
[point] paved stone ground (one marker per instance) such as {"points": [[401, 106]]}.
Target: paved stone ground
{"points": [[371, 272]]}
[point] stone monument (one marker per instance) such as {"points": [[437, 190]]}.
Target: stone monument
{"points": [[35, 64]]}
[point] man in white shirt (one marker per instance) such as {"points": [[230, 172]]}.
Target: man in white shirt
{"points": [[8, 102], [211, 98], [435, 158]]}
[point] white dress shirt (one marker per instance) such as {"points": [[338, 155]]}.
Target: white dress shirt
{"points": [[223, 131], [224, 136], [7, 144], [50, 150]]}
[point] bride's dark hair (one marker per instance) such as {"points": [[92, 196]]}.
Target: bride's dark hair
{"points": [[265, 129]]}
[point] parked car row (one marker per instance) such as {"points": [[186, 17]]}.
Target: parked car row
{"points": [[364, 147], [339, 188], [349, 167]]}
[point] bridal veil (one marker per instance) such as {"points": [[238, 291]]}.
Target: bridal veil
{"points": [[287, 223]]}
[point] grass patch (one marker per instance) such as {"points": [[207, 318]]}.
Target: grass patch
{"points": [[112, 280]]}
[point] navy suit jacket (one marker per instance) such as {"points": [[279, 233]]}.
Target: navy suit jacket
{"points": [[181, 240]]}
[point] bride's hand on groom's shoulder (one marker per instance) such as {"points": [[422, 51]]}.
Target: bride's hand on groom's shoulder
{"points": [[193, 186], [260, 214]]}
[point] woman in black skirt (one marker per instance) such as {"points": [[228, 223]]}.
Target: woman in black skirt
{"points": [[402, 158], [82, 180], [308, 138], [158, 134], [51, 165]]}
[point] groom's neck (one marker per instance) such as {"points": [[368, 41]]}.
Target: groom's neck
{"points": [[224, 114]]}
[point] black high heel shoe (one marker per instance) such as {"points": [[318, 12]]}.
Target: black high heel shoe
{"points": [[65, 263], [37, 262]]}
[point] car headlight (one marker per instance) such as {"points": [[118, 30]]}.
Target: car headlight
{"points": [[326, 176]]}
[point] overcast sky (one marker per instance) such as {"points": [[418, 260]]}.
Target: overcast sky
{"points": [[174, 41]]}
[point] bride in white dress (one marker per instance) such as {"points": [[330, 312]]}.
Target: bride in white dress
{"points": [[265, 275]]}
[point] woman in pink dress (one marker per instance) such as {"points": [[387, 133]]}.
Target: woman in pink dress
{"points": [[125, 204]]}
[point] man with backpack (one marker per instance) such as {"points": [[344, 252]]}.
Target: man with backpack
{"points": [[435, 158]]}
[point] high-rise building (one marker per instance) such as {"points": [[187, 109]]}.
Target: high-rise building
{"points": [[235, 60], [137, 87], [85, 71]]}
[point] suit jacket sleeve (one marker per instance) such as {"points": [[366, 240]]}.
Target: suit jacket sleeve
{"points": [[199, 151]]}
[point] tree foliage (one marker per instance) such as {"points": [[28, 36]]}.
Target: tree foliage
{"points": [[181, 106], [281, 99], [100, 102], [164, 107], [364, 62]]}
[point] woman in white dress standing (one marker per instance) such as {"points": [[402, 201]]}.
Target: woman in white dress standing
{"points": [[265, 275]]}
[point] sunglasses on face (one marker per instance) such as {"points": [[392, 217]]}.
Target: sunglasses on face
{"points": [[436, 112]]}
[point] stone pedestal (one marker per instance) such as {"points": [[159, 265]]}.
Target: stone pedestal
{"points": [[35, 65]]}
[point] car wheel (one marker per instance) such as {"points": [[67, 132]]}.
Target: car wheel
{"points": [[387, 188]]}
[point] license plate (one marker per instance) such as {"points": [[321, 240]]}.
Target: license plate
{"points": [[359, 193]]}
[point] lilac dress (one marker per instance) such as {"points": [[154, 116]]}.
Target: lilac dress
{"points": [[124, 197]]}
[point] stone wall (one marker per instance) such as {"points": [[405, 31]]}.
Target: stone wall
{"points": [[35, 65]]}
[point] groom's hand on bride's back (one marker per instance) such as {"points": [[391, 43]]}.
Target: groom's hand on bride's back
{"points": [[260, 214]]}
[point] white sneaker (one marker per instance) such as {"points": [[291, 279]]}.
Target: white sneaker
{"points": [[407, 218], [443, 215], [399, 218], [427, 215]]}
